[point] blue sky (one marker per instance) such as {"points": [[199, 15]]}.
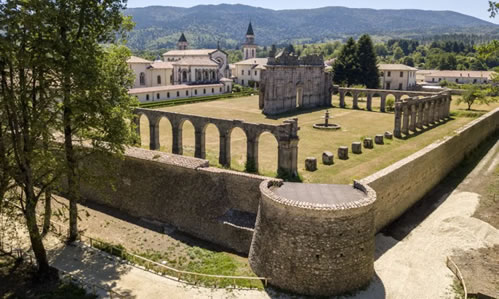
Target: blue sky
{"points": [[476, 8]]}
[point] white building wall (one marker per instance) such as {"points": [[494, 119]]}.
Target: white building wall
{"points": [[398, 80], [458, 80], [245, 74], [198, 91], [138, 68]]}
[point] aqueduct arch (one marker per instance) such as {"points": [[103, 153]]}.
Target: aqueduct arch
{"points": [[286, 135]]}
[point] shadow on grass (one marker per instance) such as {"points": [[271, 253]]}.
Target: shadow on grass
{"points": [[402, 226], [426, 128]]}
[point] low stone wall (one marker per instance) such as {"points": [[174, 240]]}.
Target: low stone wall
{"points": [[402, 184], [180, 191]]}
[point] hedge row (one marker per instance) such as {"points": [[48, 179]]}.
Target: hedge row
{"points": [[194, 100]]}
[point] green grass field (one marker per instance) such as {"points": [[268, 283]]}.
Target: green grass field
{"points": [[356, 125]]}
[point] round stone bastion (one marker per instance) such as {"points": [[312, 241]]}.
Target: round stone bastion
{"points": [[314, 239]]}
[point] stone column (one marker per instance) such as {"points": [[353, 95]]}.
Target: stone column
{"points": [[420, 120], [382, 107], [224, 154], [200, 144], [426, 109], [177, 138], [154, 134], [369, 102], [405, 120], [342, 99], [355, 100], [412, 125], [287, 156], [252, 150], [436, 111], [398, 119], [136, 121]]}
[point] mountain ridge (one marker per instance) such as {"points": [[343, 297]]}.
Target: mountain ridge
{"points": [[160, 26]]}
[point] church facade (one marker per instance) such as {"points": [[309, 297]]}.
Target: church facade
{"points": [[182, 73]]}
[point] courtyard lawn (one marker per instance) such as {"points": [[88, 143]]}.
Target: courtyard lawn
{"points": [[356, 125]]}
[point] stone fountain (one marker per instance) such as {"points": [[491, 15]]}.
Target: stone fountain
{"points": [[326, 125]]}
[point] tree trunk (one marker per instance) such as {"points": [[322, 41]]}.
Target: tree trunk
{"points": [[73, 192], [48, 213]]}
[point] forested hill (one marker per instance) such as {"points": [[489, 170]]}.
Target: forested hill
{"points": [[159, 27]]}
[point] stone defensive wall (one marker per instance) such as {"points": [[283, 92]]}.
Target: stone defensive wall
{"points": [[210, 203], [286, 135], [370, 93], [402, 184], [314, 239], [311, 239]]}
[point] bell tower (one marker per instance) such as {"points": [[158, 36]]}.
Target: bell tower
{"points": [[182, 43], [249, 47]]}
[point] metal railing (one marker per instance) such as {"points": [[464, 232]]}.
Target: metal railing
{"points": [[155, 267]]}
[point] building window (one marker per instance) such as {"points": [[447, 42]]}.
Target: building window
{"points": [[147, 97], [457, 80], [242, 82], [204, 91], [389, 74], [186, 92], [242, 72], [388, 85], [168, 95], [474, 80], [213, 90], [195, 91], [142, 79], [178, 94], [256, 73], [400, 86], [249, 73], [401, 74], [220, 89], [157, 96], [159, 79], [382, 74]]}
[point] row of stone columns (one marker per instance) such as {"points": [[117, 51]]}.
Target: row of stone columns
{"points": [[414, 113], [355, 96], [287, 143]]}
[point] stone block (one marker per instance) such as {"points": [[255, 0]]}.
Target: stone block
{"points": [[368, 143], [356, 148], [379, 139], [327, 158], [388, 135], [311, 164], [343, 152]]}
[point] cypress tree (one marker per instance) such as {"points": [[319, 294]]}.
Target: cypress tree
{"points": [[368, 73], [346, 65]]}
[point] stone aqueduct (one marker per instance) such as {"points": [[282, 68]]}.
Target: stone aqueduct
{"points": [[370, 93], [286, 135]]}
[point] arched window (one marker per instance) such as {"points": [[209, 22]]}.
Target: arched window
{"points": [[159, 79], [142, 77]]}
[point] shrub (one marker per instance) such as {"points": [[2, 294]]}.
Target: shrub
{"points": [[390, 103]]}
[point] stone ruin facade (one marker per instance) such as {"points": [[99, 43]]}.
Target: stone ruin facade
{"points": [[290, 82]]}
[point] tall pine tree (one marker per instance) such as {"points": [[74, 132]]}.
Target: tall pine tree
{"points": [[346, 65], [368, 73]]}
